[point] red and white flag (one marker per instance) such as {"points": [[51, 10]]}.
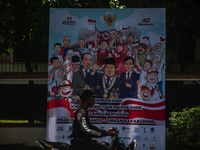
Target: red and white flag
{"points": [[135, 43], [91, 22], [125, 28], [112, 30], [145, 38], [162, 40]]}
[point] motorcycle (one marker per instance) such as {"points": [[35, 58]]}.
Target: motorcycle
{"points": [[116, 144]]}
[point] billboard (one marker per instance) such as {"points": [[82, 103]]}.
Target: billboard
{"points": [[120, 55]]}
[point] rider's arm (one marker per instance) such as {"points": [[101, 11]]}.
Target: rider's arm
{"points": [[86, 128]]}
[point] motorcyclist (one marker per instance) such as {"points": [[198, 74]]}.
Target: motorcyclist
{"points": [[83, 131]]}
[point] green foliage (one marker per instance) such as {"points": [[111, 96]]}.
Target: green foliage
{"points": [[24, 25], [185, 126], [115, 4], [182, 22]]}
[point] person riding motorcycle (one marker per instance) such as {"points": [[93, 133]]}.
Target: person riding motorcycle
{"points": [[83, 131]]}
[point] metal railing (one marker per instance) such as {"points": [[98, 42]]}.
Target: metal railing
{"points": [[21, 67], [29, 102], [173, 65]]}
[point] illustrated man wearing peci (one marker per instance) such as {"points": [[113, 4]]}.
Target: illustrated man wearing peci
{"points": [[78, 81], [106, 85]]}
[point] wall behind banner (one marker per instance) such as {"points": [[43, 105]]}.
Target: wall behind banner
{"points": [[82, 45]]}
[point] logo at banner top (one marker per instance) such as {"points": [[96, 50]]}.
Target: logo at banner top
{"points": [[69, 18], [69, 22], [145, 22], [109, 19]]}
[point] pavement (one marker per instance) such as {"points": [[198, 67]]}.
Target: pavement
{"points": [[171, 146], [19, 147]]}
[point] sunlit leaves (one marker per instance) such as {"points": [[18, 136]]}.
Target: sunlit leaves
{"points": [[185, 126], [115, 4]]}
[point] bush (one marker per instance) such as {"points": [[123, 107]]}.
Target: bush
{"points": [[185, 126]]}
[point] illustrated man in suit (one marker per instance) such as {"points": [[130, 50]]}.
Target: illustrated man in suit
{"points": [[106, 85], [78, 81], [73, 67], [129, 77]]}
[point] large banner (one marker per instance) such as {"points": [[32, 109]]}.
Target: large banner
{"points": [[120, 55]]}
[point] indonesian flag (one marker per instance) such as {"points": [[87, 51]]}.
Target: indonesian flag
{"points": [[91, 45], [125, 28], [162, 39], [135, 43], [112, 30], [91, 22], [137, 69], [145, 38]]}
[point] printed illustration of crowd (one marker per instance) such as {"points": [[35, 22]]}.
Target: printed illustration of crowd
{"points": [[111, 66]]}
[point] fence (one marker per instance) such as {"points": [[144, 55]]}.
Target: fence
{"points": [[21, 67], [173, 65], [29, 101]]}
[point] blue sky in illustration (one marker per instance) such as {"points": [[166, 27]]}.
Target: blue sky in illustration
{"points": [[125, 18]]}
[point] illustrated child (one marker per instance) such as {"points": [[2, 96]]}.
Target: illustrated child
{"points": [[102, 52], [152, 80], [129, 48], [55, 64], [57, 49], [105, 36], [65, 48], [143, 69], [105, 46], [69, 55], [65, 90], [142, 56], [118, 55], [58, 78], [144, 92], [157, 50], [158, 63], [61, 102], [82, 47]]}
